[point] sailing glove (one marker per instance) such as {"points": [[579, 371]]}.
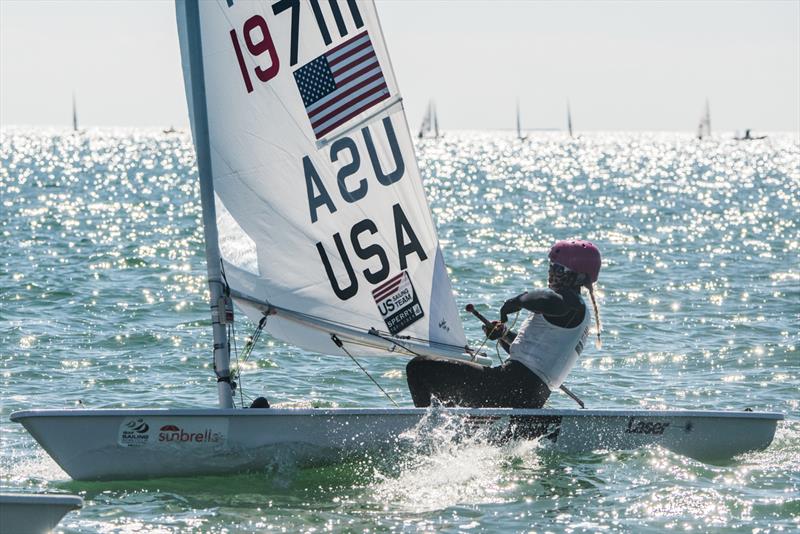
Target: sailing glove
{"points": [[495, 331]]}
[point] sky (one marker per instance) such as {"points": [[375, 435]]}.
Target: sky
{"points": [[622, 65]]}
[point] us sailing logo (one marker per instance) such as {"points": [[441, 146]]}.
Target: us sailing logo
{"points": [[397, 303], [134, 433]]}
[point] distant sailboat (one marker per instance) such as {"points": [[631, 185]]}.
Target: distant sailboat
{"points": [[519, 125], [430, 123], [569, 120], [748, 136], [74, 114], [435, 123], [704, 128]]}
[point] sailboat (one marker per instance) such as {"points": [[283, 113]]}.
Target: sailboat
{"points": [[569, 120], [430, 123], [317, 228], [74, 114], [704, 128], [748, 136], [519, 125]]}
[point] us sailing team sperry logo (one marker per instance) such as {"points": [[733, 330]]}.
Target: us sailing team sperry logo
{"points": [[397, 303]]}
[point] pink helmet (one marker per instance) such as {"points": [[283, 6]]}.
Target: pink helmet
{"points": [[579, 256]]}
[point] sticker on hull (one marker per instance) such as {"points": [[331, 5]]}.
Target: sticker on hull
{"points": [[164, 431]]}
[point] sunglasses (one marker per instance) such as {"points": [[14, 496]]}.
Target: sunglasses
{"points": [[559, 269]]}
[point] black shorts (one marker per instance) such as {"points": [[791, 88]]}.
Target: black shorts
{"points": [[470, 385]]}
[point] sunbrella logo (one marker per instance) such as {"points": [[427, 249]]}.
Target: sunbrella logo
{"points": [[176, 434], [134, 433]]}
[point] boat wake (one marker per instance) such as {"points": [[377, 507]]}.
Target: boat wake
{"points": [[445, 461]]}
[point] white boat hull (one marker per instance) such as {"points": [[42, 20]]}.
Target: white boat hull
{"points": [[27, 513], [139, 444]]}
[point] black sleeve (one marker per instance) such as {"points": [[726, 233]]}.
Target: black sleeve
{"points": [[548, 302]]}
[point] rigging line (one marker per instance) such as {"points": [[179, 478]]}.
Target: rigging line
{"points": [[246, 351], [231, 332], [238, 375], [253, 339], [339, 344]]}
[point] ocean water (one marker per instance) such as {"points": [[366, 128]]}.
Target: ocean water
{"points": [[102, 304]]}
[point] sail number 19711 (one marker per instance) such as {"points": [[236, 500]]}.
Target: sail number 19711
{"points": [[258, 39]]}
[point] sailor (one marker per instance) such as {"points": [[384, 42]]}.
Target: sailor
{"points": [[542, 353]]}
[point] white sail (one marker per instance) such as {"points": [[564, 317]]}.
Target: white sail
{"points": [[320, 208], [430, 123], [435, 122], [74, 114], [569, 120], [425, 126]]}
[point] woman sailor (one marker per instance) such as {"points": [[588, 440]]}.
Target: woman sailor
{"points": [[542, 353]]}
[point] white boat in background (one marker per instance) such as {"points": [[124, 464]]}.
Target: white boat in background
{"points": [[34, 513], [430, 123], [748, 136], [519, 125], [704, 128], [317, 226], [569, 120], [74, 114]]}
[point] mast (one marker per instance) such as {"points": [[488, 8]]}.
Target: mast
{"points": [[74, 114], [519, 126], [569, 119], [213, 261], [708, 118]]}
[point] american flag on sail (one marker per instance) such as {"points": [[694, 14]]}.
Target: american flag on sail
{"points": [[340, 84]]}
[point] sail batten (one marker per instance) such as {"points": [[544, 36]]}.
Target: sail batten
{"points": [[320, 206]]}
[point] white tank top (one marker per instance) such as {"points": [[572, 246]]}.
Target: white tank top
{"points": [[548, 350]]}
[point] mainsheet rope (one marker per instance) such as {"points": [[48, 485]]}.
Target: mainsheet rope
{"points": [[338, 343]]}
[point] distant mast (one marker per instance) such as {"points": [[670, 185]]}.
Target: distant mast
{"points": [[74, 114], [569, 120]]}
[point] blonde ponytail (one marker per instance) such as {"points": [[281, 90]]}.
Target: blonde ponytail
{"points": [[598, 343]]}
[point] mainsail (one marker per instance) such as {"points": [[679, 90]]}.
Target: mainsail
{"points": [[320, 209]]}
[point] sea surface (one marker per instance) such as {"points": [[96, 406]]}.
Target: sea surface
{"points": [[103, 304]]}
